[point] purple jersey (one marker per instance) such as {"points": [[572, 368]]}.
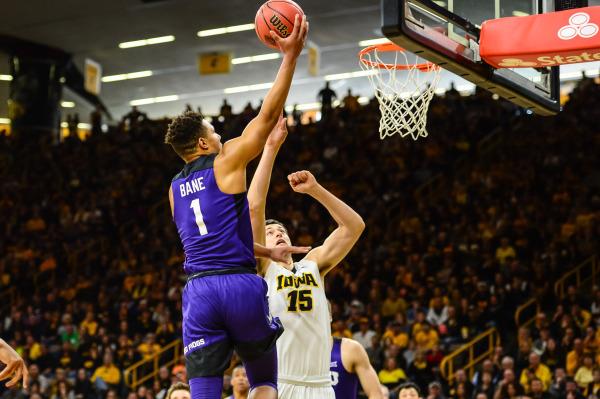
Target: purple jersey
{"points": [[214, 227], [345, 384]]}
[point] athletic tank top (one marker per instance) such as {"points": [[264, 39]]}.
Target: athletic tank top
{"points": [[345, 384], [298, 298], [214, 227]]}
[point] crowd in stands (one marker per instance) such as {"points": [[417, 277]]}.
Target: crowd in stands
{"points": [[459, 234]]}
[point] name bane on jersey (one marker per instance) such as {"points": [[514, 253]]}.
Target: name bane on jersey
{"points": [[191, 187], [293, 281]]}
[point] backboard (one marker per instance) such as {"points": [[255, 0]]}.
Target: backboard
{"points": [[446, 32]]}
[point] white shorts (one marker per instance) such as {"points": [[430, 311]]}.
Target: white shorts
{"points": [[289, 391]]}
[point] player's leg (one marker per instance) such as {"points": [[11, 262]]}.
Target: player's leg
{"points": [[207, 347], [254, 333]]}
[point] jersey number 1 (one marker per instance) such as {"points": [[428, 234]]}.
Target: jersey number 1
{"points": [[198, 214]]}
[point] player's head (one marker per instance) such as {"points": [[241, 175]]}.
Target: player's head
{"points": [[179, 390], [409, 390], [190, 135], [276, 234], [239, 380]]}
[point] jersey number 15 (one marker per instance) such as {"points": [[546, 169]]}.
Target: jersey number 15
{"points": [[300, 300]]}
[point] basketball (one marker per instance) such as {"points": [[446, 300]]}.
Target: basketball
{"points": [[277, 16]]}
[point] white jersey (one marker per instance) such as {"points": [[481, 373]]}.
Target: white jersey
{"points": [[298, 298]]}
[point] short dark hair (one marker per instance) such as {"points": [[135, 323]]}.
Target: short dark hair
{"points": [[409, 385], [184, 131], [277, 222], [176, 387]]}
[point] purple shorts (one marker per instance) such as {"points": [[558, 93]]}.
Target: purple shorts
{"points": [[222, 313]]}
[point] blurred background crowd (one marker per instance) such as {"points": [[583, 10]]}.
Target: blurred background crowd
{"points": [[463, 227]]}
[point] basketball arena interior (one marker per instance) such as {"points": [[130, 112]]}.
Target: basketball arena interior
{"points": [[477, 275]]}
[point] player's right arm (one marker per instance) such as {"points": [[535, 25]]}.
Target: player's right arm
{"points": [[259, 187], [357, 361], [238, 152], [15, 369]]}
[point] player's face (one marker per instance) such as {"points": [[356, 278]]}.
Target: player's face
{"points": [[212, 138], [409, 393], [239, 380], [276, 235], [180, 394]]}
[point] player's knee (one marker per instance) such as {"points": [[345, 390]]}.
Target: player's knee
{"points": [[263, 392]]}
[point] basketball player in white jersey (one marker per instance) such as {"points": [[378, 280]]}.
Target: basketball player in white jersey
{"points": [[296, 289]]}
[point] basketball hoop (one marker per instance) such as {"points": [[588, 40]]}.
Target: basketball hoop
{"points": [[403, 97]]}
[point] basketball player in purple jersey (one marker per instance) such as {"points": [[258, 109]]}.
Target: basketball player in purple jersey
{"points": [[224, 301], [349, 365]]}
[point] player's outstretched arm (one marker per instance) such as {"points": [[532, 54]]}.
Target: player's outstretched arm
{"points": [[259, 187], [15, 366], [278, 254], [350, 224], [358, 362], [237, 153]]}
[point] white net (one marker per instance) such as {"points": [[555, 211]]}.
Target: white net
{"points": [[403, 94]]}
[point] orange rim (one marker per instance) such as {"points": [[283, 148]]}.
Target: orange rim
{"points": [[389, 47]]}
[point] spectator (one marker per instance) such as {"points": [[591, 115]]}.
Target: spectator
{"points": [[574, 357], [391, 375], [64, 391], [364, 335], [239, 382], [326, 96], [505, 251], [584, 375], [535, 369], [35, 376], [537, 390], [83, 388], [435, 391], [107, 376], [438, 312], [149, 347]]}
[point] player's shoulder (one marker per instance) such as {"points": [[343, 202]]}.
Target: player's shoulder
{"points": [[351, 345], [274, 269], [306, 263], [201, 163], [353, 351]]}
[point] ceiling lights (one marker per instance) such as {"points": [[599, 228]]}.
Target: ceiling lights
{"points": [[126, 76], [227, 29], [154, 100], [147, 42], [350, 75], [255, 58], [243, 89], [372, 42]]}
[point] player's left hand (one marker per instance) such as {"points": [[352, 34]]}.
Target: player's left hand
{"points": [[302, 181], [15, 369], [282, 253], [278, 134]]}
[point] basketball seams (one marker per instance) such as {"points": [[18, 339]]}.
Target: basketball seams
{"points": [[267, 25], [297, 7], [280, 13]]}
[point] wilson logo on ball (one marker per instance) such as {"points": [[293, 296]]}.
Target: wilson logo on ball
{"points": [[280, 26]]}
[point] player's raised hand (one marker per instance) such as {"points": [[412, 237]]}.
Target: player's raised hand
{"points": [[282, 253], [15, 369], [302, 182], [294, 43], [278, 134]]}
